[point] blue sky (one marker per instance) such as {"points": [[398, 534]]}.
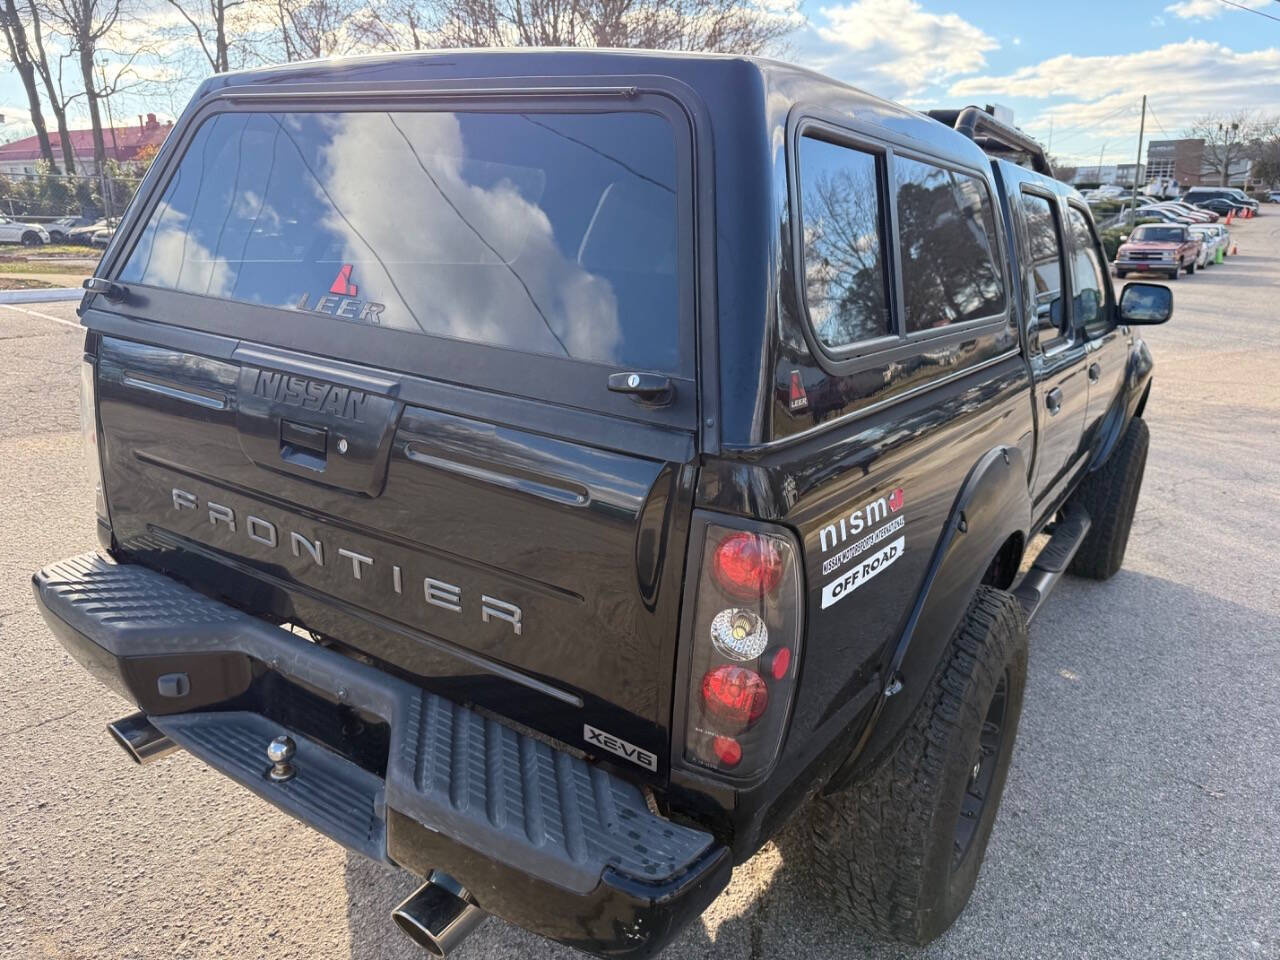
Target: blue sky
{"points": [[1082, 67]]}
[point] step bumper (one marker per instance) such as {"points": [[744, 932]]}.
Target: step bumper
{"points": [[540, 836]]}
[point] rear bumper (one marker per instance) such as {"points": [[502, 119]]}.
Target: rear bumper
{"points": [[540, 837]]}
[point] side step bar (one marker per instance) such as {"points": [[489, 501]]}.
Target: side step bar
{"points": [[1052, 563]]}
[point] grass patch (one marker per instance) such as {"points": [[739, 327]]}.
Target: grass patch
{"points": [[16, 252], [24, 283], [44, 266]]}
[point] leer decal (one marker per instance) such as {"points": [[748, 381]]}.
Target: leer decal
{"points": [[856, 576]]}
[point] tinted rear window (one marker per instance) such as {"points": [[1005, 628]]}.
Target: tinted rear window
{"points": [[950, 261], [546, 233]]}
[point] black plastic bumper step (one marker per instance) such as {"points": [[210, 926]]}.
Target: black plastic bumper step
{"points": [[502, 794]]}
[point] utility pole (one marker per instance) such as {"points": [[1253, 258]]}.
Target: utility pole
{"points": [[1137, 167]]}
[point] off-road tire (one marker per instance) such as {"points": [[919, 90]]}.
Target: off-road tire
{"points": [[885, 849], [1110, 494]]}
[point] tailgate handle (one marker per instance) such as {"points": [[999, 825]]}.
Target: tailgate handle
{"points": [[304, 445]]}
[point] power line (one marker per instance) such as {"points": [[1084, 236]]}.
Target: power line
{"points": [[1157, 119], [1083, 128], [1240, 6]]}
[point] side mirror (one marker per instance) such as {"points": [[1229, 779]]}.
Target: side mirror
{"points": [[1145, 303]]}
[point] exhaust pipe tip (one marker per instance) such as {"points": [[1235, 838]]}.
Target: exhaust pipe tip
{"points": [[439, 915], [139, 739]]}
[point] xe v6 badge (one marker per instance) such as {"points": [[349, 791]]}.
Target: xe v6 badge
{"points": [[620, 747]]}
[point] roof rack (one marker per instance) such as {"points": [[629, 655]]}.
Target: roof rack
{"points": [[995, 137]]}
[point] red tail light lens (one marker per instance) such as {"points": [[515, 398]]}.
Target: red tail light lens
{"points": [[747, 565], [735, 696], [739, 652]]}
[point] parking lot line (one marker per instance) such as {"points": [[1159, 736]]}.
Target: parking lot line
{"points": [[42, 316]]}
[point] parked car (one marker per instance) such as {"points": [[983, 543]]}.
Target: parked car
{"points": [[1186, 210], [60, 229], [1157, 212], [1233, 194], [1158, 248], [1222, 206], [18, 231], [1214, 238], [1274, 196], [589, 615], [102, 236], [85, 234]]}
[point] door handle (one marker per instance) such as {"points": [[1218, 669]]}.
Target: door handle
{"points": [[1095, 373], [1053, 400]]}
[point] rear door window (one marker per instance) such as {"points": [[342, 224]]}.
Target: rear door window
{"points": [[842, 212], [950, 259], [547, 233]]}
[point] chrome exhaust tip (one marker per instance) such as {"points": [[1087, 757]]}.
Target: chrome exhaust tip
{"points": [[439, 915], [139, 739]]}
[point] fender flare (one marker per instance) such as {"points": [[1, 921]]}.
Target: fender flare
{"points": [[993, 504]]}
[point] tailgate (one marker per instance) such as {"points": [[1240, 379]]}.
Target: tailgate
{"points": [[534, 575]]}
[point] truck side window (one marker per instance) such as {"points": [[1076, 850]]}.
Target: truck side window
{"points": [[842, 220], [1044, 238], [1087, 276], [950, 265]]}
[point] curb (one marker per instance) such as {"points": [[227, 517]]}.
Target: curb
{"points": [[41, 296]]}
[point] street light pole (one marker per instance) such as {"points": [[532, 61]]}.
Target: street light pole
{"points": [[1142, 129]]}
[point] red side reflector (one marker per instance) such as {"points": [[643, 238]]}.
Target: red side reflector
{"points": [[747, 565], [728, 751], [780, 663], [734, 696]]}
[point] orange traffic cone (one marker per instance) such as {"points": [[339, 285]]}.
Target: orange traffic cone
{"points": [[1230, 213], [1235, 248]]}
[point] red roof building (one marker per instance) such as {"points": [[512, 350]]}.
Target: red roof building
{"points": [[123, 144]]}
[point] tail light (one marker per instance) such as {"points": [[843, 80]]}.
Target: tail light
{"points": [[743, 645], [89, 436]]}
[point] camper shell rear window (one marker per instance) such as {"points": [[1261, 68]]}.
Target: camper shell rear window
{"points": [[549, 233]]}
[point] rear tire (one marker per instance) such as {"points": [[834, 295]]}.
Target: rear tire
{"points": [[1110, 494], [899, 852]]}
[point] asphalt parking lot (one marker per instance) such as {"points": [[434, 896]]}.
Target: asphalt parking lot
{"points": [[1142, 813]]}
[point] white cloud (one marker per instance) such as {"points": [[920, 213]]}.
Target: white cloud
{"points": [[1209, 9], [1101, 95], [895, 47]]}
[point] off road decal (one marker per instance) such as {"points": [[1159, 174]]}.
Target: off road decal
{"points": [[856, 576], [615, 745]]}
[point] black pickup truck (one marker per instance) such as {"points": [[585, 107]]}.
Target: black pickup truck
{"points": [[550, 472]]}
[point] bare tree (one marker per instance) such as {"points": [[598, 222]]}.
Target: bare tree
{"points": [[207, 20], [727, 26], [309, 29], [53, 90], [1229, 138], [85, 23], [15, 35]]}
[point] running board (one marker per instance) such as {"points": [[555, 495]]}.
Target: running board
{"points": [[1068, 533]]}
